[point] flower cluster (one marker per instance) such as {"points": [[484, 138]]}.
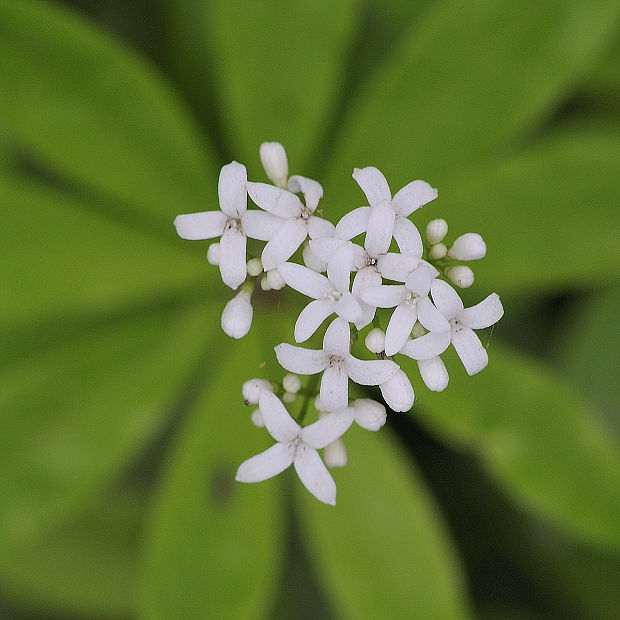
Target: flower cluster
{"points": [[392, 268]]}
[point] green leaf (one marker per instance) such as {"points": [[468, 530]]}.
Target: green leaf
{"points": [[86, 566], [382, 552], [61, 256], [468, 81], [75, 412], [536, 437], [94, 112], [279, 68], [213, 545]]}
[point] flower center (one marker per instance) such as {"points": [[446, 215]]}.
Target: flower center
{"points": [[333, 295], [335, 360], [456, 325]]}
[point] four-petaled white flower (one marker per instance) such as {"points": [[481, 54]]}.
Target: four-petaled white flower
{"points": [[234, 223], [337, 363], [298, 446]]}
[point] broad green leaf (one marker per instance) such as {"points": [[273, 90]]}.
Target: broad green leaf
{"points": [[382, 552], [94, 112], [213, 545], [590, 353], [73, 414], [468, 81], [61, 256], [536, 437], [545, 214], [278, 69], [85, 567]]}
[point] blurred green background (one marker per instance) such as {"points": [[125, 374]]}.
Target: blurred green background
{"points": [[122, 421]]}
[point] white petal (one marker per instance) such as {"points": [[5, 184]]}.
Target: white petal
{"points": [[397, 267], [380, 229], [277, 419], [328, 428], [407, 237], [304, 280], [283, 244], [434, 374], [267, 464], [237, 316], [232, 257], [349, 308], [469, 349], [275, 200], [353, 223], [312, 261], [312, 190], [483, 314], [385, 295], [337, 339], [430, 317], [334, 393], [398, 393], [369, 414], [399, 328], [311, 317], [232, 190], [299, 360], [427, 346], [412, 197], [370, 372], [324, 247], [274, 160], [318, 227], [260, 225], [339, 267], [419, 280], [365, 278], [314, 475], [205, 225], [373, 184], [446, 299]]}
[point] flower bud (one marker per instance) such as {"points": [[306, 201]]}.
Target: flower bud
{"points": [[275, 281], [369, 414], [461, 275], [257, 418], [213, 254], [335, 454], [436, 230], [397, 392], [434, 374], [291, 383], [252, 388], [470, 246], [275, 163], [264, 283], [237, 315], [255, 267], [375, 340], [317, 403], [437, 251], [289, 397]]}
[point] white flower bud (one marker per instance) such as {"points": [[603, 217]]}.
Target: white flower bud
{"points": [[275, 163], [289, 397], [375, 340], [255, 267], [461, 275], [369, 414], [312, 261], [335, 454], [317, 403], [434, 374], [213, 254], [275, 281], [397, 392], [257, 418], [470, 246], [237, 315], [252, 388], [436, 230], [264, 283], [437, 251], [291, 383]]}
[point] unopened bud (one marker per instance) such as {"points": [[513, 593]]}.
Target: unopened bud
{"points": [[397, 392], [255, 267], [237, 315], [470, 246], [369, 414], [436, 230], [275, 163], [264, 283], [213, 254], [335, 454], [375, 340], [275, 281], [317, 403], [291, 383], [461, 275], [252, 388], [257, 418], [289, 397], [437, 251]]}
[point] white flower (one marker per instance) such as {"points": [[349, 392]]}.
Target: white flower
{"points": [[398, 392], [369, 414], [237, 315], [300, 220], [412, 304], [407, 200], [298, 446], [337, 362], [331, 294], [234, 223], [275, 163], [470, 246]]}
